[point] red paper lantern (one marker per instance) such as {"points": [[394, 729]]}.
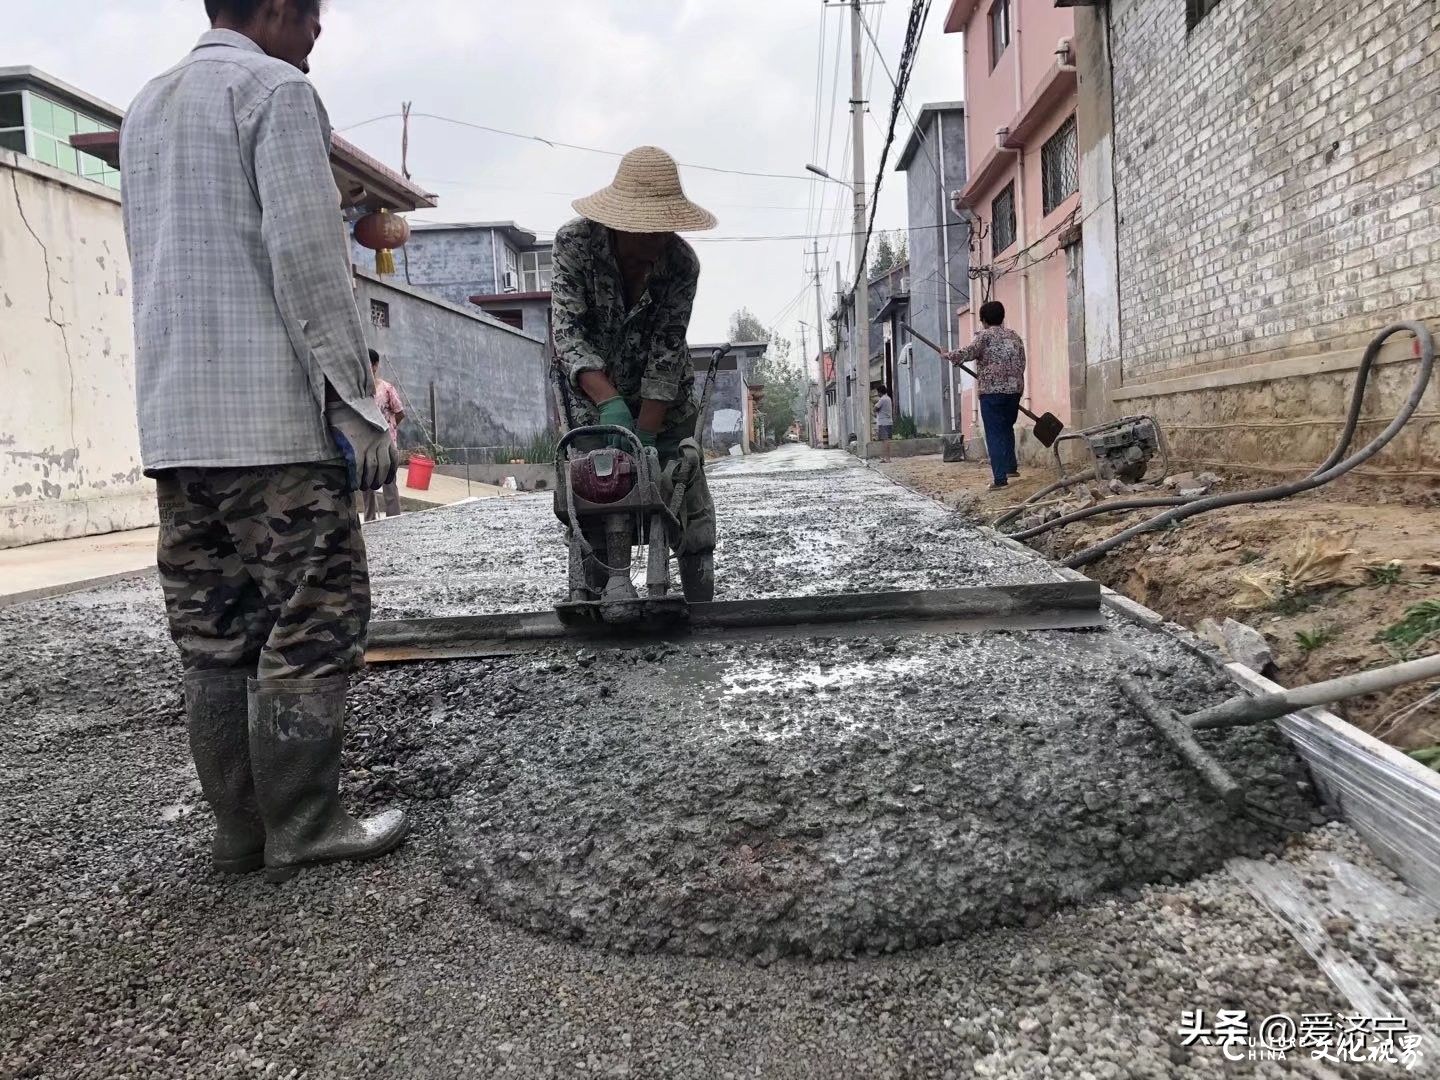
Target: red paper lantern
{"points": [[382, 232]]}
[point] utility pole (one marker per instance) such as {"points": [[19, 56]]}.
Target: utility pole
{"points": [[860, 401], [820, 346], [809, 388], [842, 367]]}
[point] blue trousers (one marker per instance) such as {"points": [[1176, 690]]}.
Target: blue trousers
{"points": [[999, 413]]}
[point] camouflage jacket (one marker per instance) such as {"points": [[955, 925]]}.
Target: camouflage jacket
{"points": [[643, 350]]}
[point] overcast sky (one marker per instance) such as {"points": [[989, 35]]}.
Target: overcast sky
{"points": [[726, 84]]}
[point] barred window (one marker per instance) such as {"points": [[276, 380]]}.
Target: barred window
{"points": [[1059, 166], [379, 314], [1002, 220]]}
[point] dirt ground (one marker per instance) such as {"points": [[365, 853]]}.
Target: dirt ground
{"points": [[1199, 571]]}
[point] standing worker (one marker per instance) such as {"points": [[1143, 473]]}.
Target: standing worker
{"points": [[622, 289], [254, 392], [997, 356], [884, 420], [387, 400]]}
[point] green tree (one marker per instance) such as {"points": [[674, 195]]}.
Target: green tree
{"points": [[744, 326], [888, 251], [784, 401], [883, 259], [784, 380]]}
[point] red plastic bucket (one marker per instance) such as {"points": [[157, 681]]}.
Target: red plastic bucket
{"points": [[418, 475]]}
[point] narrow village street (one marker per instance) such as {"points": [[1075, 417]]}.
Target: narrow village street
{"points": [[823, 540], [649, 863]]}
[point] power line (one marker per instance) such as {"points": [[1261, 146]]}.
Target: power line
{"points": [[840, 204], [778, 319], [768, 237], [815, 128], [558, 144], [830, 134], [919, 14], [794, 209], [924, 139]]}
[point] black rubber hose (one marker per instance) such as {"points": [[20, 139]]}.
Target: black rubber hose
{"points": [[1335, 466]]}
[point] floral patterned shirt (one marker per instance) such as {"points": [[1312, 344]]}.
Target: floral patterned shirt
{"points": [[997, 356], [387, 400]]}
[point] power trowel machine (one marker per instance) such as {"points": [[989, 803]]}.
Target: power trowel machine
{"points": [[613, 496]]}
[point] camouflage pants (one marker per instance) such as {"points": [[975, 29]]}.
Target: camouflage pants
{"points": [[264, 569]]}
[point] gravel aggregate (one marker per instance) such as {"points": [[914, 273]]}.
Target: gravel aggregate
{"points": [[121, 954]]}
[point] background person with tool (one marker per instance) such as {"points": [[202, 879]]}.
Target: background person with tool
{"points": [[998, 356], [622, 289], [387, 400], [884, 420], [253, 392]]}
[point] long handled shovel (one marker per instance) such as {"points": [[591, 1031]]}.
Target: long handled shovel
{"points": [[1048, 427]]}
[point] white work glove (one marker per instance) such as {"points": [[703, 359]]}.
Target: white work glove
{"points": [[369, 454]]}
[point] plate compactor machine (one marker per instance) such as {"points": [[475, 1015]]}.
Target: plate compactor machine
{"points": [[612, 499]]}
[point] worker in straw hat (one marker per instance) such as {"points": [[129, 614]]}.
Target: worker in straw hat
{"points": [[622, 289]]}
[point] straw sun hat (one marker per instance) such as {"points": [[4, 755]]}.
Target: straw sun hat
{"points": [[646, 197]]}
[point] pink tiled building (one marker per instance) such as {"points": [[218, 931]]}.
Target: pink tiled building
{"points": [[1022, 193]]}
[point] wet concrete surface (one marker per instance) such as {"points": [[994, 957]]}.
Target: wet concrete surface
{"points": [[813, 797], [776, 801], [781, 533]]}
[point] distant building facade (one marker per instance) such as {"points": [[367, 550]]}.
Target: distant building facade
{"points": [[730, 417], [933, 161], [1021, 191], [880, 349], [498, 266]]}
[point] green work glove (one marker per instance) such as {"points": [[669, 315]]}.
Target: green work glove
{"points": [[615, 413], [648, 438]]}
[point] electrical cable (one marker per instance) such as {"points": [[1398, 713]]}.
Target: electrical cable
{"points": [[834, 105], [1333, 467], [558, 144], [577, 194], [919, 15], [815, 128]]}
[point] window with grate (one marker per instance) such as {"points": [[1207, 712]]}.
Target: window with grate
{"points": [[1002, 220], [1195, 10], [380, 314], [1059, 166], [999, 30]]}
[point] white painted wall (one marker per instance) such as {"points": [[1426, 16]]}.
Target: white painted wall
{"points": [[1101, 276], [69, 444]]}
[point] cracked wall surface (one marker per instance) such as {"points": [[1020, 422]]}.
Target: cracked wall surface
{"points": [[69, 447]]}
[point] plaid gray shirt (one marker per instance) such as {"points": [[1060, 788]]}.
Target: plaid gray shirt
{"points": [[244, 294]]}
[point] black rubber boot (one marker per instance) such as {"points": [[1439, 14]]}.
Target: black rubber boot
{"points": [[215, 710], [297, 727]]}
